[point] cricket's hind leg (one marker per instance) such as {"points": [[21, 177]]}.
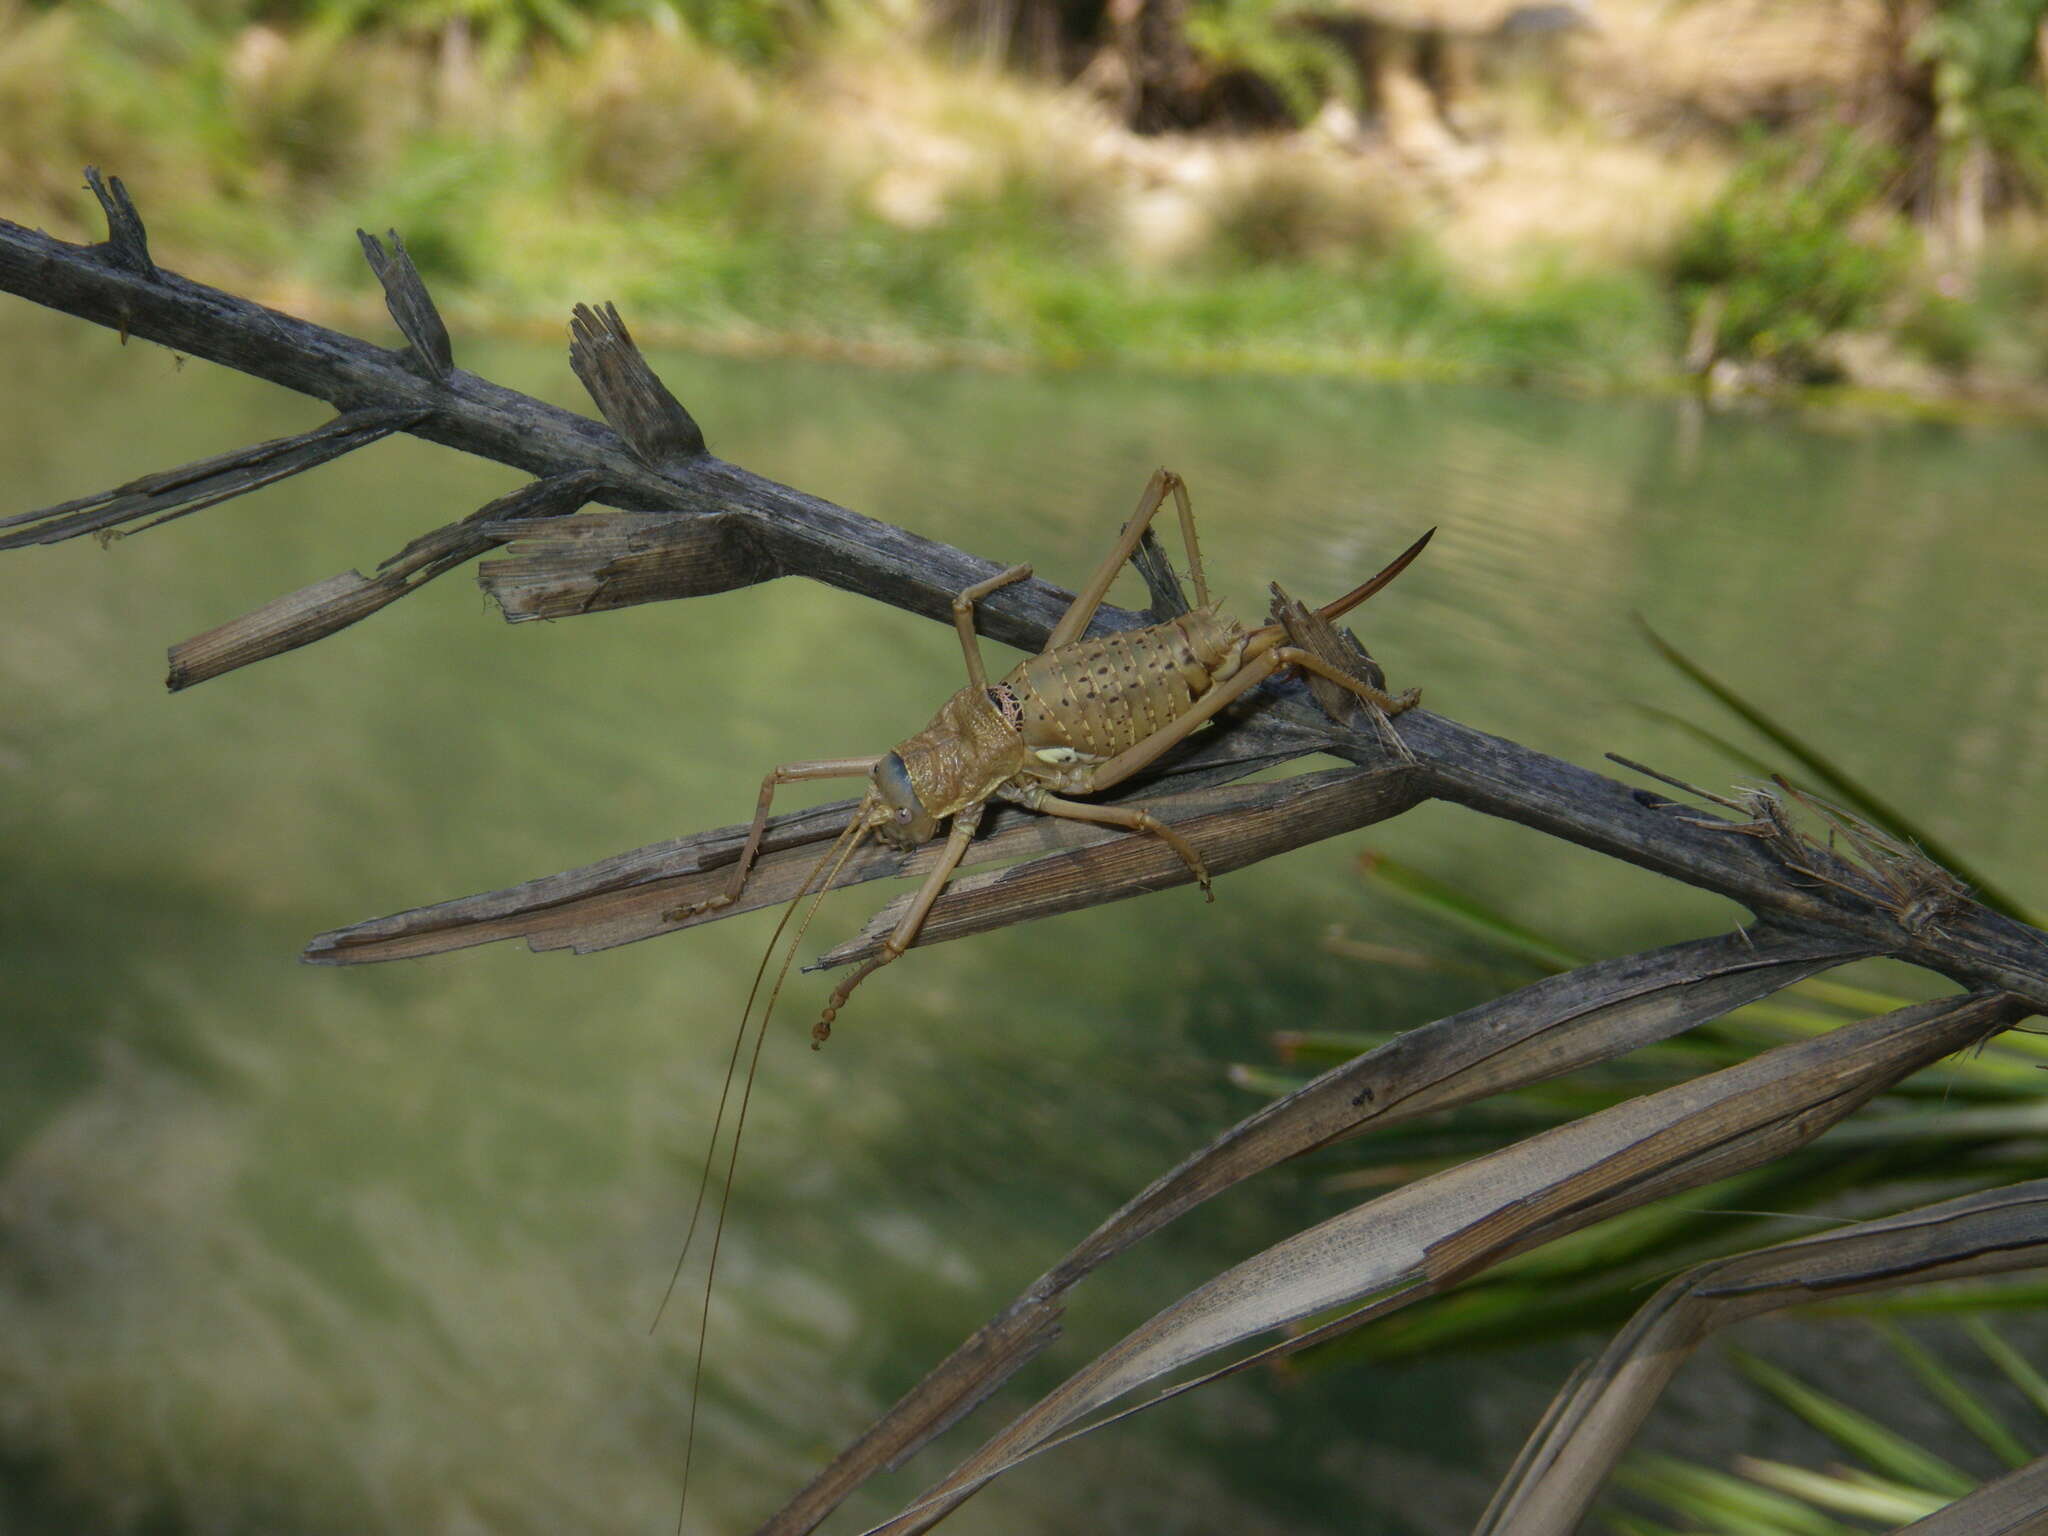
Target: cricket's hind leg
{"points": [[1255, 671], [1389, 704], [1134, 820], [963, 618], [1164, 482]]}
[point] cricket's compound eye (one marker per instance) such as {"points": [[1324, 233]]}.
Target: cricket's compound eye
{"points": [[908, 823], [892, 782]]}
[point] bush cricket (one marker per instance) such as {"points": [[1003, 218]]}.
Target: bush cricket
{"points": [[1078, 718]]}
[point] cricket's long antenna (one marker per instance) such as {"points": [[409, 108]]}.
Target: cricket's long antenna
{"points": [[836, 856], [733, 1062]]}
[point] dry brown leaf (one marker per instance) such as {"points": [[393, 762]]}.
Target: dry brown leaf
{"points": [[1429, 1234]]}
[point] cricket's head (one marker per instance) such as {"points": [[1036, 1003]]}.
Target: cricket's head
{"points": [[900, 819]]}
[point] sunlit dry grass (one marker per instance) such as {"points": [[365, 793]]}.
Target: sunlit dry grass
{"points": [[868, 192], [872, 192]]}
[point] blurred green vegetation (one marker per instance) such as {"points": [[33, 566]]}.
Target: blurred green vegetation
{"points": [[1302, 67], [1983, 75], [879, 174], [1794, 251], [660, 155]]}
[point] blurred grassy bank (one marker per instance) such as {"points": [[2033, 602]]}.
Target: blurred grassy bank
{"points": [[847, 180]]}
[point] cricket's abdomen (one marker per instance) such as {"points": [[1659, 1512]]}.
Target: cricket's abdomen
{"points": [[1101, 696]]}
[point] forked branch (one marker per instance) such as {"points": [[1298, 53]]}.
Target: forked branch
{"points": [[734, 527], [684, 523]]}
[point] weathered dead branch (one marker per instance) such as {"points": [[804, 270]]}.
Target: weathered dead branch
{"points": [[315, 612], [2013, 1505], [744, 527], [126, 245], [795, 534], [686, 523], [1066, 865], [175, 493], [653, 423], [559, 567], [405, 295]]}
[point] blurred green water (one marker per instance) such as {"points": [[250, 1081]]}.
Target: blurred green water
{"points": [[285, 1248]]}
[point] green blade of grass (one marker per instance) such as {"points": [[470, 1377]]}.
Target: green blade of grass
{"points": [[1722, 1501], [1788, 1018], [1264, 1081], [1860, 1435], [1950, 1128], [1970, 1298], [1629, 1525], [2017, 1368], [1293, 1045], [2023, 1042], [1864, 1496], [1946, 1388], [1748, 762], [1859, 1001], [1454, 907], [1832, 779]]}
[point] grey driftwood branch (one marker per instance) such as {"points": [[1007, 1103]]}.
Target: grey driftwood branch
{"points": [[1066, 865], [739, 527], [684, 522]]}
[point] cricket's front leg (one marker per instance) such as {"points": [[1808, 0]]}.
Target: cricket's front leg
{"points": [[786, 773], [905, 933]]}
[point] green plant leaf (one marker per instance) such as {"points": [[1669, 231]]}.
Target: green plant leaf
{"points": [[1946, 1388], [1722, 1501], [2017, 1368], [1629, 1525], [1832, 779], [1857, 1433], [1452, 906], [1858, 1494]]}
